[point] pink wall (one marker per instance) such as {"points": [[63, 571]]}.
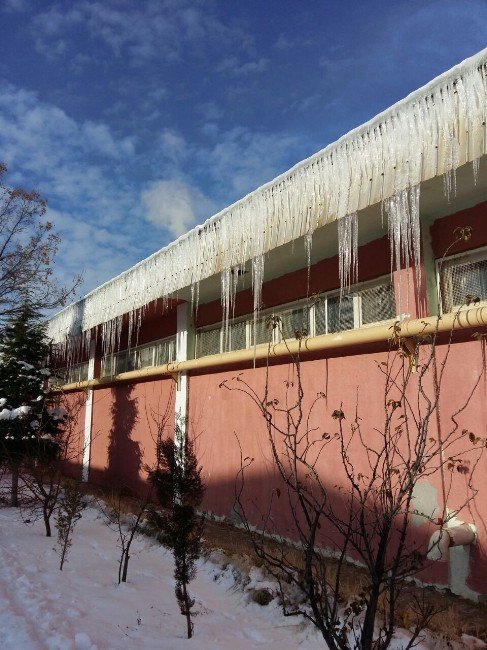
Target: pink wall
{"points": [[74, 404], [347, 381], [125, 428], [123, 415]]}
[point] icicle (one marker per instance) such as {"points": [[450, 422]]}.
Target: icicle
{"points": [[226, 281], [308, 243], [257, 280], [348, 250], [430, 133], [404, 232]]}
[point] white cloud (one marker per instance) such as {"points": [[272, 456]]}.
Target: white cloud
{"points": [[144, 31], [233, 66], [243, 159], [173, 145], [175, 205], [16, 5], [87, 202]]}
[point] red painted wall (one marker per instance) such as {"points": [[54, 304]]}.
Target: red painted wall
{"points": [[124, 431], [75, 405], [226, 425], [238, 431]]}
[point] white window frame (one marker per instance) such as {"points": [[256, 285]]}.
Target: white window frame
{"points": [[135, 350], [309, 303], [474, 255]]}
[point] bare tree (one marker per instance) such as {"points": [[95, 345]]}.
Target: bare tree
{"points": [[27, 247], [361, 512], [43, 474], [126, 524]]}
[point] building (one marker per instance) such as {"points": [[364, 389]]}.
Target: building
{"points": [[346, 248]]}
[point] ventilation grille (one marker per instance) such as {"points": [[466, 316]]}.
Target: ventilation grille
{"points": [[463, 282]]}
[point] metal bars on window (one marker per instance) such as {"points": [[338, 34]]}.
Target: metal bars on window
{"points": [[326, 314], [143, 356], [463, 280]]}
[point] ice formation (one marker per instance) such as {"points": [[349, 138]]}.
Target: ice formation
{"points": [[430, 133]]}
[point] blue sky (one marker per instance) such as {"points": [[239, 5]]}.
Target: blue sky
{"points": [[140, 119]]}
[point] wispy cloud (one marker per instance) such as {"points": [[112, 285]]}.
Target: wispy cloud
{"points": [[233, 65], [70, 163], [175, 205], [144, 31], [16, 5]]}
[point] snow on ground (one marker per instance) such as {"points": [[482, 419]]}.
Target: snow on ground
{"points": [[84, 608]]}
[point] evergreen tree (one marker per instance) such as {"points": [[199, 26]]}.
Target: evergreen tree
{"points": [[29, 420], [179, 489]]}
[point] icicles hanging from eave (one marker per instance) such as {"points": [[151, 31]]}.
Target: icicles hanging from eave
{"points": [[432, 132], [348, 250]]}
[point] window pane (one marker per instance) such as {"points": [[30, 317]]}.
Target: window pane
{"points": [[120, 362], [237, 338], [340, 313], [320, 317], [262, 333], [295, 323], [107, 366], [378, 303], [208, 342], [146, 356], [165, 352], [463, 282]]}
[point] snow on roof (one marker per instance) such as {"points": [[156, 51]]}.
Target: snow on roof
{"points": [[431, 132]]}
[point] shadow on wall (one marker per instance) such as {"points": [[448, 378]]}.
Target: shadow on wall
{"points": [[124, 454]]}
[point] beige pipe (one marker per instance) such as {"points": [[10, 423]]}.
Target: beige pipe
{"points": [[469, 318]]}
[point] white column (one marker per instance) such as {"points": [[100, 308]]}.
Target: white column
{"points": [[88, 415], [184, 347]]}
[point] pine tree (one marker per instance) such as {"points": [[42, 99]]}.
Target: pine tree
{"points": [[179, 489], [29, 420]]}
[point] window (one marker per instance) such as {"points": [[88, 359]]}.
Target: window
{"points": [[143, 356], [365, 305], [463, 280], [71, 375]]}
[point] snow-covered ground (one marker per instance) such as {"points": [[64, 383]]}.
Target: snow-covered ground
{"points": [[83, 607]]}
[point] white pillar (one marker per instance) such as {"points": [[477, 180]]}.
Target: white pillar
{"points": [[88, 415], [184, 347]]}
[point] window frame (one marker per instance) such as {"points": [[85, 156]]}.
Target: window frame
{"points": [[473, 255], [136, 352], [310, 304]]}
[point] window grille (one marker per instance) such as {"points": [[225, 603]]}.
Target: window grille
{"points": [[377, 304], [295, 323], [363, 306], [143, 356], [463, 280], [208, 342], [237, 335]]}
